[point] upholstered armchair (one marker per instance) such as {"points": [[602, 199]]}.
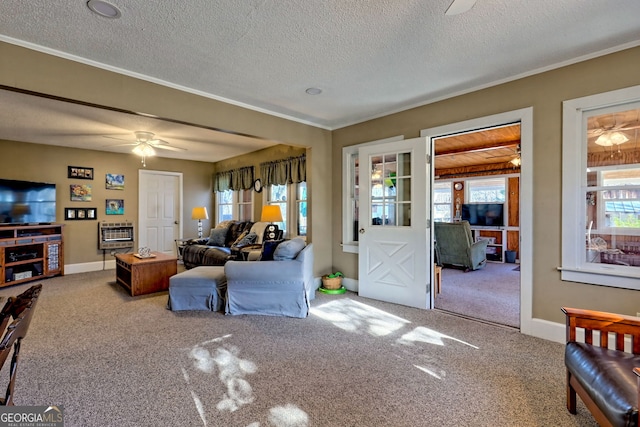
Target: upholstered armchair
{"points": [[455, 246], [282, 287]]}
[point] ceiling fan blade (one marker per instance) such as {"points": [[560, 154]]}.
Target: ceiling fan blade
{"points": [[459, 6], [120, 145], [120, 139], [169, 147], [158, 142]]}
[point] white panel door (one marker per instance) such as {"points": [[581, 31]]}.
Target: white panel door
{"points": [[160, 202], [393, 192]]}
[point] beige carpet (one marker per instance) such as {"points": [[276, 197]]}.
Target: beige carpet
{"points": [[491, 294], [113, 360]]}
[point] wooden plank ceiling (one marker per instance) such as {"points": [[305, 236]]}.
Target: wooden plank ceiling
{"points": [[482, 152]]}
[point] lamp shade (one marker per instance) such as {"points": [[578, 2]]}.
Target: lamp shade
{"points": [[199, 213], [271, 213]]}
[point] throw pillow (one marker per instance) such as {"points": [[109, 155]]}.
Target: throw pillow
{"points": [[268, 248], [258, 228], [225, 224], [289, 249], [246, 239], [217, 236]]}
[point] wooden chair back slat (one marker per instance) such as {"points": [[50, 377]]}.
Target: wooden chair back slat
{"points": [[588, 336]]}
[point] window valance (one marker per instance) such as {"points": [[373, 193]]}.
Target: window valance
{"points": [[287, 171], [235, 179]]}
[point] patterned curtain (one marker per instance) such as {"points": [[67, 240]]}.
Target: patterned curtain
{"points": [[236, 179], [287, 171], [222, 181]]}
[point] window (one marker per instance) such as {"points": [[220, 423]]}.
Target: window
{"points": [[601, 189], [224, 202], [442, 201], [301, 208], [236, 205], [486, 190], [277, 195]]}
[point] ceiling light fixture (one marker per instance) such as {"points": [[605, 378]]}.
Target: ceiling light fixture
{"points": [[103, 8], [144, 150], [313, 91], [609, 139], [516, 161]]}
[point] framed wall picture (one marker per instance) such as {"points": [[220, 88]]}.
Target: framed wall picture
{"points": [[80, 192], [114, 207], [79, 172], [114, 181], [80, 214]]}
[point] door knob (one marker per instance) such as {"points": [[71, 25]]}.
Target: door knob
{"points": [[176, 222], [361, 231]]}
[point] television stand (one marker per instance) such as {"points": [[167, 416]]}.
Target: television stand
{"points": [[30, 252]]}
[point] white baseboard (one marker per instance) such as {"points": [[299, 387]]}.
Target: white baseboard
{"points": [[547, 330], [89, 266], [350, 284]]}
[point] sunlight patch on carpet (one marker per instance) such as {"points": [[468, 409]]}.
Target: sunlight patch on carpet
{"points": [[353, 316], [429, 336], [288, 416], [428, 371]]}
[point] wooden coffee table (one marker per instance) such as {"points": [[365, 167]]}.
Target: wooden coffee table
{"points": [[142, 276]]}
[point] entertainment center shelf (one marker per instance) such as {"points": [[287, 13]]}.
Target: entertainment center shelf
{"points": [[497, 237], [30, 252]]}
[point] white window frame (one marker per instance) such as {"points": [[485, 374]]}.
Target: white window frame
{"points": [[298, 207], [469, 188], [348, 195], [575, 267], [451, 204], [235, 204]]}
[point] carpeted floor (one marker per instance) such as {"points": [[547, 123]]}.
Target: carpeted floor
{"points": [[113, 360], [490, 294]]}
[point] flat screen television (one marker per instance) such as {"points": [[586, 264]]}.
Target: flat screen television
{"points": [[26, 202], [484, 214]]}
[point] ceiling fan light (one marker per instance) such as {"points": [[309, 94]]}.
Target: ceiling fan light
{"points": [[608, 139], [516, 161], [144, 150]]}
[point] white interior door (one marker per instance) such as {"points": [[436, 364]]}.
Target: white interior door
{"points": [[394, 189], [160, 207]]}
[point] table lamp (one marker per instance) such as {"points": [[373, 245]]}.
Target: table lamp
{"points": [[199, 213], [271, 214]]}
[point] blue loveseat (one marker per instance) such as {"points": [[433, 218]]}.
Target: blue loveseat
{"points": [[273, 288]]}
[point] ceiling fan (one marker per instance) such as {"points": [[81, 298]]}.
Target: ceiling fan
{"points": [[608, 136], [145, 145], [459, 6]]}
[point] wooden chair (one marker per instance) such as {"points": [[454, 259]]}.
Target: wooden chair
{"points": [[604, 376], [20, 309]]}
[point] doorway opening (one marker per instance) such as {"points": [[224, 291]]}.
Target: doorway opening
{"points": [[477, 181]]}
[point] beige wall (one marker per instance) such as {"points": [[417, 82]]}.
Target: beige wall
{"points": [[26, 69], [545, 93], [46, 163]]}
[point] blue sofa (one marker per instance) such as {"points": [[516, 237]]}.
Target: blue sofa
{"points": [[272, 288]]}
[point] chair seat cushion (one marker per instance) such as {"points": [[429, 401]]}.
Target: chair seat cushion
{"points": [[607, 376]]}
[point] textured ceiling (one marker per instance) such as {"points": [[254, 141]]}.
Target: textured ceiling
{"points": [[369, 58]]}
